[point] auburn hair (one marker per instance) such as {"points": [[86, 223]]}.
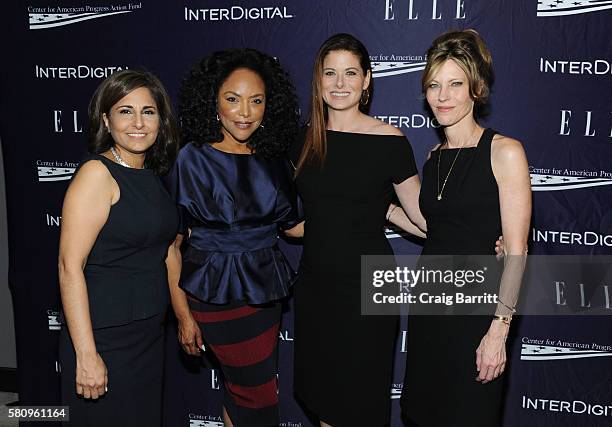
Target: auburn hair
{"points": [[315, 143]]}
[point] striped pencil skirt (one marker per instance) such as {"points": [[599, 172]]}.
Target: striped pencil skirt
{"points": [[244, 340]]}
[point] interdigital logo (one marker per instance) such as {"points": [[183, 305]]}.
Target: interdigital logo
{"points": [[583, 238], [284, 335], [50, 17], [53, 220], [558, 66], [567, 406], [413, 121], [571, 7], [76, 72], [237, 13]]}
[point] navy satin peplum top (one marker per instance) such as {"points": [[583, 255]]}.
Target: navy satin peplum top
{"points": [[233, 204]]}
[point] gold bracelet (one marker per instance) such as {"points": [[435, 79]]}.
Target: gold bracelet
{"points": [[503, 319]]}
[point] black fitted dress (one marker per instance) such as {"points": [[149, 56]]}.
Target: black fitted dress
{"points": [[127, 286], [343, 360], [439, 387]]}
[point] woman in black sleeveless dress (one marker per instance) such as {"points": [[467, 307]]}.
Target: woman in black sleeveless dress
{"points": [[118, 221], [475, 185], [343, 359]]}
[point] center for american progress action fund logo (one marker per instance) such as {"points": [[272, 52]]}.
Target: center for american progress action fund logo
{"points": [[391, 65], [55, 170], [571, 7], [45, 17]]}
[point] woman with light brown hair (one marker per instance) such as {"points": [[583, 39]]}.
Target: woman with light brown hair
{"points": [[475, 186]]}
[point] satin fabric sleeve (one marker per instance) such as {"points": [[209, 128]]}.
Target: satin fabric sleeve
{"points": [[173, 183]]}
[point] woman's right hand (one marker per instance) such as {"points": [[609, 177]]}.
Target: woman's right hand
{"points": [[189, 335], [91, 376]]}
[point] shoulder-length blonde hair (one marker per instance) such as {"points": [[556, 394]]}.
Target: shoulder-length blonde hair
{"points": [[470, 53]]}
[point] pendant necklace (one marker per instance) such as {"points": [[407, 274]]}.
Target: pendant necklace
{"points": [[441, 190]]}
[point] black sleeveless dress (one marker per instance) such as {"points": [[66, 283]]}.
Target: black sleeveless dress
{"points": [[439, 386], [344, 360], [128, 295]]}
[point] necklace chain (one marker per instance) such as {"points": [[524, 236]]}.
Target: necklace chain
{"points": [[441, 190], [118, 158]]}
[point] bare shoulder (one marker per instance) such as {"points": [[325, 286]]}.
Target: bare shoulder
{"points": [[93, 174], [92, 170], [378, 127], [505, 149]]}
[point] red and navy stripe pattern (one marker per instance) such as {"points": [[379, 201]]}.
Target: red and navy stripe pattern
{"points": [[244, 339]]}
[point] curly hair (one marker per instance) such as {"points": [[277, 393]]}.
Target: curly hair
{"points": [[161, 155], [198, 101]]}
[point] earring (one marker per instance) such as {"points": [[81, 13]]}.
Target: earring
{"points": [[261, 126], [367, 98], [218, 117]]}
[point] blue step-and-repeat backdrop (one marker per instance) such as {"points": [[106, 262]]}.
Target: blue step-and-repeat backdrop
{"points": [[553, 91]]}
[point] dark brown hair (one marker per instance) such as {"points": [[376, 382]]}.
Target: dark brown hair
{"points": [[161, 155], [470, 53], [315, 145]]}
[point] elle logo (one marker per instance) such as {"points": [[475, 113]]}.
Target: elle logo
{"points": [[59, 117], [214, 379], [566, 117], [412, 12], [601, 297]]}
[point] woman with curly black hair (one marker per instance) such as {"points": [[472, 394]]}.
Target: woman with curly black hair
{"points": [[234, 189]]}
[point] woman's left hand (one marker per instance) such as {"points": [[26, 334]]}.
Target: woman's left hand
{"points": [[500, 248], [491, 353]]}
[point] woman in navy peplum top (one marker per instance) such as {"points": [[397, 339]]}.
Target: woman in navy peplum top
{"points": [[234, 189]]}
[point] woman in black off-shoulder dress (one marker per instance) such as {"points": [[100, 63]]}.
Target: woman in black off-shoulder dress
{"points": [[343, 359]]}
